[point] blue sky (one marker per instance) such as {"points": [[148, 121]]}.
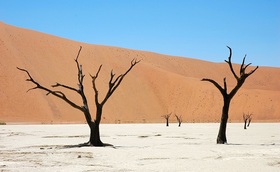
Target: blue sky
{"points": [[199, 29]]}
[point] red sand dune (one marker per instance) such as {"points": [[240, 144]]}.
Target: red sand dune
{"points": [[160, 84]]}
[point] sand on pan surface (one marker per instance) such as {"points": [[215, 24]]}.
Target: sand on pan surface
{"points": [[140, 147]]}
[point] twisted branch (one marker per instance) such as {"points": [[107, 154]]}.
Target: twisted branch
{"points": [[58, 94], [240, 79], [113, 83]]}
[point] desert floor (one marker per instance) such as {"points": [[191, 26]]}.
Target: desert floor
{"points": [[140, 147]]}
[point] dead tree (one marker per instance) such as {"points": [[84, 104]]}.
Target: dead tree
{"points": [[179, 119], [221, 139], [166, 117], [94, 139], [247, 118], [249, 121]]}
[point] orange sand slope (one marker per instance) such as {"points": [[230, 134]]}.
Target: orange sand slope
{"points": [[158, 85]]}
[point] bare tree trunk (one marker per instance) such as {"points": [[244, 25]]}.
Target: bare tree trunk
{"points": [[245, 118], [221, 139], [94, 128], [249, 122], [95, 135], [245, 122], [167, 122]]}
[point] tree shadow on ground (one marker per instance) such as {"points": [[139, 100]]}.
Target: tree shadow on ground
{"points": [[86, 144], [245, 144]]}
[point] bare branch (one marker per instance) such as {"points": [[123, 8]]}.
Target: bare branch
{"points": [[225, 86], [252, 71], [133, 63], [32, 89], [61, 95], [78, 54], [215, 83], [242, 69], [111, 78], [96, 75], [80, 70], [230, 64], [65, 86], [93, 78], [166, 116], [113, 85], [55, 93], [30, 79]]}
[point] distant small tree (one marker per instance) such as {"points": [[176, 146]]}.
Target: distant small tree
{"points": [[166, 117], [179, 119], [113, 83], [227, 97], [247, 118]]}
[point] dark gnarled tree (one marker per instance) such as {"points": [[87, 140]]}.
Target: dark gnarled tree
{"points": [[221, 139], [94, 139], [247, 118], [166, 117], [179, 120]]}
